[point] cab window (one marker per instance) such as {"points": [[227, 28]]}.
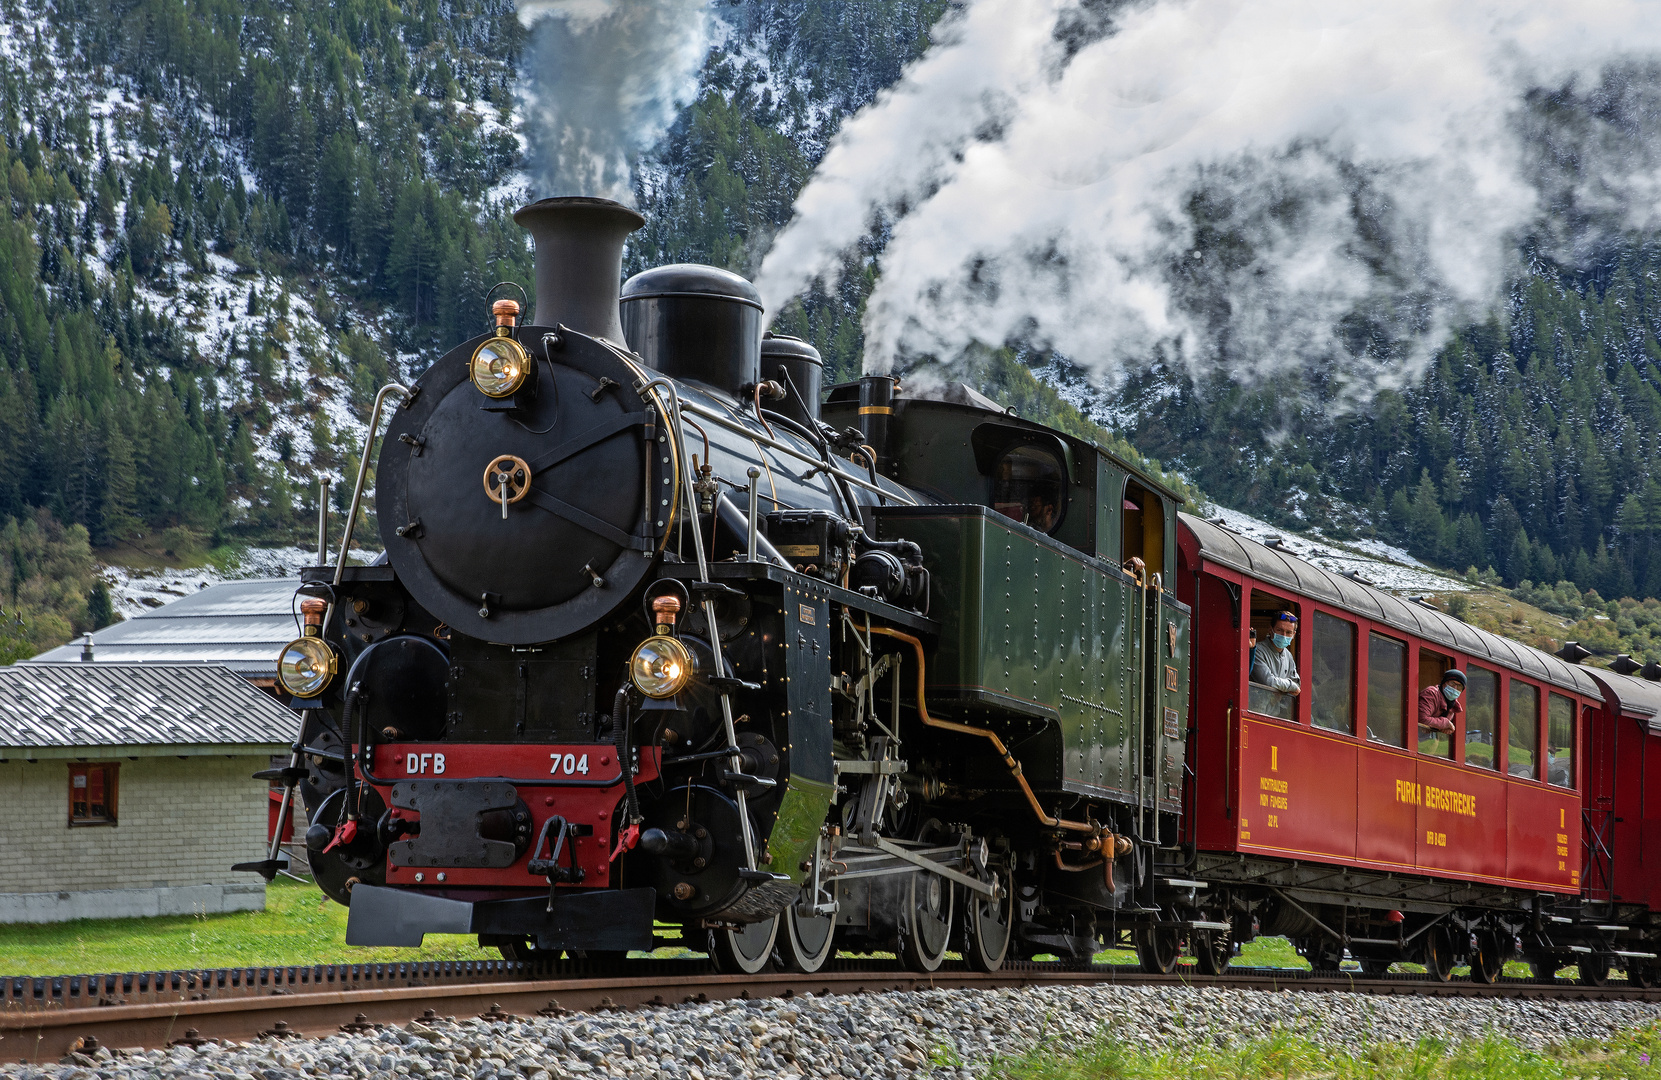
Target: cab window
{"points": [[1142, 527], [1333, 653], [1028, 485], [1386, 689], [1482, 717], [1523, 739], [1433, 743], [1274, 681], [1560, 741]]}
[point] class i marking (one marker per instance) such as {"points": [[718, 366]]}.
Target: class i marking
{"points": [[1274, 759], [569, 764], [416, 764]]}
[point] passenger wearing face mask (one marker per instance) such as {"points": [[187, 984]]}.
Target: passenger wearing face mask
{"points": [[1438, 705], [1273, 663]]}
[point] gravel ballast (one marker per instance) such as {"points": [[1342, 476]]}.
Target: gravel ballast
{"points": [[870, 1035]]}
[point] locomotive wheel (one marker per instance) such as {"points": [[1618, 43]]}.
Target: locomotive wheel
{"points": [[988, 924], [1641, 976], [1438, 954], [1158, 948], [806, 941], [925, 924], [1542, 971], [744, 951], [1487, 963], [1213, 949], [1594, 971]]}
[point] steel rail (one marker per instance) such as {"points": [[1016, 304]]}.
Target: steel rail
{"points": [[44, 1033]]}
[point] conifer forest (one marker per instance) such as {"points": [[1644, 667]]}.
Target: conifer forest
{"points": [[227, 222]]}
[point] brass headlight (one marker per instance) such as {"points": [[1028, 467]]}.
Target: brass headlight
{"points": [[306, 666], [661, 666], [499, 367]]}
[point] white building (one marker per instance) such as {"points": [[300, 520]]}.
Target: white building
{"points": [[127, 789]]}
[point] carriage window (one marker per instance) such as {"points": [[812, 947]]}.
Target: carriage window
{"points": [[1482, 691], [1523, 718], [1273, 682], [1432, 741], [1334, 674], [1028, 485], [1560, 741], [1386, 687], [92, 794]]}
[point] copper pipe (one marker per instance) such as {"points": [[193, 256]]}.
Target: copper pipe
{"points": [[997, 743]]}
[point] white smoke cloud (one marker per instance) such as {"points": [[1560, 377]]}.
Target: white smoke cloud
{"points": [[1262, 185], [602, 80]]}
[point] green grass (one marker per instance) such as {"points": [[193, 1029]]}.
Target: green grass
{"points": [[298, 926], [1634, 1055]]}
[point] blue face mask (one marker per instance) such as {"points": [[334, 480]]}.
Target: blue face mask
{"points": [[1282, 640], [1451, 692]]}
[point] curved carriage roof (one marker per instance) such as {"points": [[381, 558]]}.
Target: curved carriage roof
{"points": [[1635, 697], [1230, 549]]}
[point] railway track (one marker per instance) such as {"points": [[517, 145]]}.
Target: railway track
{"points": [[44, 1018]]}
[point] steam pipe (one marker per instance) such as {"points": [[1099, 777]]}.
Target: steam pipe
{"points": [[363, 475], [755, 501], [323, 520], [1118, 844], [785, 448]]}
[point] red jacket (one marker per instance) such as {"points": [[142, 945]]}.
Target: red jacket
{"points": [[1435, 710]]}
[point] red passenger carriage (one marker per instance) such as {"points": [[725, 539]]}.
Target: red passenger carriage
{"points": [[1333, 817]]}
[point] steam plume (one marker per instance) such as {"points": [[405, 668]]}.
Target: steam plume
{"points": [[602, 81], [1260, 185]]}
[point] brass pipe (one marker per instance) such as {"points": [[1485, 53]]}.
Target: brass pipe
{"points": [[998, 745]]}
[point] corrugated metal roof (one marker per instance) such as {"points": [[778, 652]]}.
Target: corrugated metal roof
{"points": [[239, 624], [126, 705], [1282, 568]]}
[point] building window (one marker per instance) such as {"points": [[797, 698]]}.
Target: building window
{"points": [[1482, 694], [1386, 687], [1334, 653], [92, 794]]}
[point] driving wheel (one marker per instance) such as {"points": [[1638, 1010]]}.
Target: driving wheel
{"points": [[806, 941], [988, 923], [925, 924], [1594, 970], [745, 950]]}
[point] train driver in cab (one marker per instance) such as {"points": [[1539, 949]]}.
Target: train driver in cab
{"points": [[1439, 705], [1273, 663]]}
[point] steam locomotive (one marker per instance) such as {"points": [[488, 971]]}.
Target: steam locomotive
{"points": [[665, 635]]}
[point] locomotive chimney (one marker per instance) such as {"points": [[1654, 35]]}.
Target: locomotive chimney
{"points": [[579, 261]]}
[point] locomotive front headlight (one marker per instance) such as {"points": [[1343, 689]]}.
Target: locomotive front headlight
{"points": [[499, 367], [661, 667], [306, 666]]}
